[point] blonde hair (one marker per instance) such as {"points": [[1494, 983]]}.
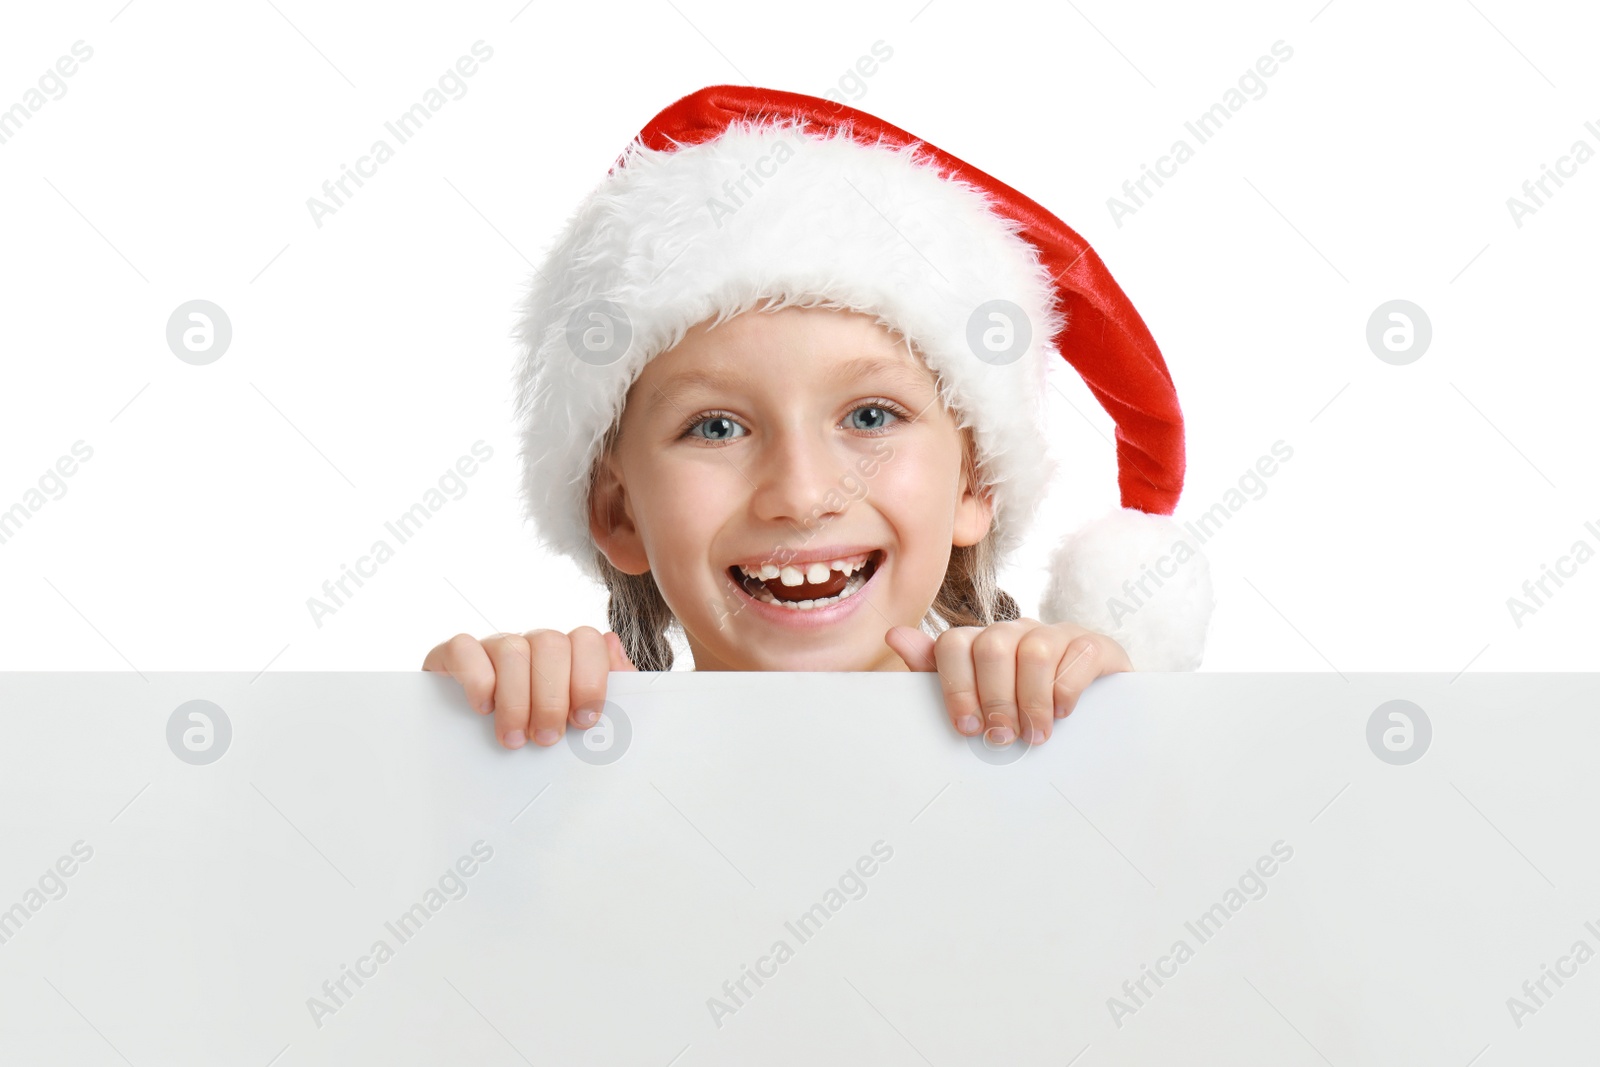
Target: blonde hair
{"points": [[969, 595]]}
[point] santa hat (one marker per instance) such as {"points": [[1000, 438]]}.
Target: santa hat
{"points": [[736, 198]]}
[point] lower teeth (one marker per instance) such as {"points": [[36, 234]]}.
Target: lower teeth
{"points": [[853, 583]]}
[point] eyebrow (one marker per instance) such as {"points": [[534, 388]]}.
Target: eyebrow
{"points": [[892, 372]]}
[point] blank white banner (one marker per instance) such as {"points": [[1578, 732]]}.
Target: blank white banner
{"points": [[799, 869]]}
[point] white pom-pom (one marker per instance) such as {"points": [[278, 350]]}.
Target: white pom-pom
{"points": [[1137, 578]]}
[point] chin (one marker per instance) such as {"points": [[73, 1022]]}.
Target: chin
{"points": [[849, 659]]}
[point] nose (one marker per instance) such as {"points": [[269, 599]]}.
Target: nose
{"points": [[798, 477]]}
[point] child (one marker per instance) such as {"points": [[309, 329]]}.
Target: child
{"points": [[783, 386]]}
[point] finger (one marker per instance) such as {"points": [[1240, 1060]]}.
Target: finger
{"points": [[913, 646], [1039, 658], [551, 651], [994, 658], [1087, 657], [952, 653], [509, 654], [619, 657], [463, 658], [591, 660]]}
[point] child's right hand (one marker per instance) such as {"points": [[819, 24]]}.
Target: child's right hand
{"points": [[535, 683]]}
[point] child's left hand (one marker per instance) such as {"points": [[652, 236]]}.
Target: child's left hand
{"points": [[1017, 676]]}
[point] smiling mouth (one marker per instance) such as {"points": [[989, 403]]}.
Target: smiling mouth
{"points": [[807, 594]]}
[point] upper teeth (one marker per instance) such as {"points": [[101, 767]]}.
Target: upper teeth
{"points": [[812, 573]]}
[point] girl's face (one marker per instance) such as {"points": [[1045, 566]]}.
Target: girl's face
{"points": [[779, 443]]}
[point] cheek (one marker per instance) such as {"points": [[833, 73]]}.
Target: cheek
{"points": [[916, 489], [680, 508]]}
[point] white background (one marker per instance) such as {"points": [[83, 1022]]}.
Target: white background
{"points": [[370, 353]]}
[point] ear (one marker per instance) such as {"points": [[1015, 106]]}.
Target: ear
{"points": [[611, 521], [974, 514]]}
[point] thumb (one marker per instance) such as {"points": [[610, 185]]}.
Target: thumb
{"points": [[913, 646], [619, 658]]}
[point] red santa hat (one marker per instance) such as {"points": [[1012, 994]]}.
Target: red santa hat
{"points": [[735, 198]]}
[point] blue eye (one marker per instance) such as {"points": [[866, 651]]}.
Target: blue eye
{"points": [[878, 419], [719, 428]]}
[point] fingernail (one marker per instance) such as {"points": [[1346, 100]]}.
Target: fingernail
{"points": [[967, 724], [1001, 735], [516, 739], [587, 716], [1035, 736], [1061, 712], [483, 709], [546, 736]]}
